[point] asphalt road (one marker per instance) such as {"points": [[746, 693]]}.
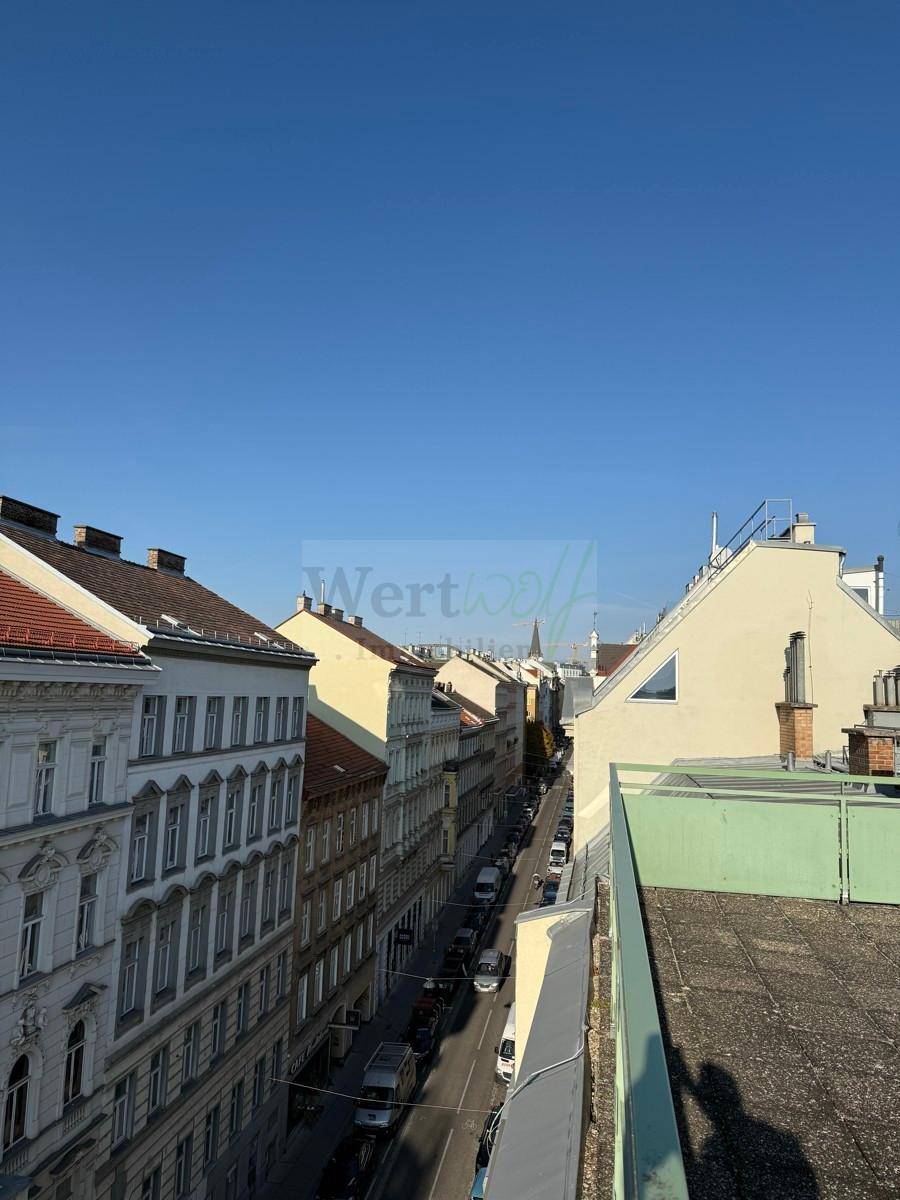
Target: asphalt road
{"points": [[433, 1155]]}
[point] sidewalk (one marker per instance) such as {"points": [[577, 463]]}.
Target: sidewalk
{"points": [[296, 1175]]}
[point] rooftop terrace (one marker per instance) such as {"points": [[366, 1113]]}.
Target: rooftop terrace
{"points": [[780, 1020], [755, 945]]}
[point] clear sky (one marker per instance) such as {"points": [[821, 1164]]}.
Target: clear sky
{"points": [[277, 272]]}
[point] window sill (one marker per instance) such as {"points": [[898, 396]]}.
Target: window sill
{"points": [[129, 1020]]}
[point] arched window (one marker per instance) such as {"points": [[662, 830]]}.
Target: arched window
{"points": [[74, 1078], [16, 1103]]}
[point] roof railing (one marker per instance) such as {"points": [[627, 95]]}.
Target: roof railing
{"points": [[37, 636], [215, 635], [773, 519], [648, 1161]]}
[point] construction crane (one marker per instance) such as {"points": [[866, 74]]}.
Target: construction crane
{"points": [[573, 646]]}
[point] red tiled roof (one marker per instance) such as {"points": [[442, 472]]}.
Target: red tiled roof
{"points": [[143, 593], [472, 713], [327, 750], [375, 644], [29, 619], [611, 654]]}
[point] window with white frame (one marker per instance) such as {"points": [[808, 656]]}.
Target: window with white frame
{"points": [[30, 943], [370, 931], [662, 685], [277, 1061], [291, 806], [284, 887], [236, 1109], [182, 725], [151, 1188], [364, 822], [281, 975], [219, 1024], [351, 888], [98, 771], [183, 1156], [297, 717], [348, 953], [361, 894], [322, 919], [302, 998], [336, 907], [156, 1081], [360, 934], [275, 800], [241, 1013], [339, 835], [239, 720], [319, 981], [326, 841], [73, 1074], [123, 1109], [87, 911], [259, 1082], [140, 847], [44, 774], [352, 826], [305, 922], [212, 729], [231, 823], [164, 957], [172, 839], [190, 1053], [152, 718], [372, 873], [255, 807], [310, 860], [268, 901], [196, 937], [334, 962], [262, 994], [131, 964], [247, 922], [204, 826], [261, 719], [224, 921], [211, 1134], [281, 718], [374, 816]]}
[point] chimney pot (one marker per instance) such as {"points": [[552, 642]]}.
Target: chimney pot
{"points": [[338, 614], [304, 603], [91, 538], [323, 609], [28, 515], [165, 560], [357, 621]]}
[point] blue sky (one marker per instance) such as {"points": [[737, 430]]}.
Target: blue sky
{"points": [[278, 272]]}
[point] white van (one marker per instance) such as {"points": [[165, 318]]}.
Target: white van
{"points": [[389, 1081], [487, 885], [506, 1051], [559, 854]]}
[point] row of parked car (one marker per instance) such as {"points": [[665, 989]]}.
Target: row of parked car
{"points": [[393, 1072]]}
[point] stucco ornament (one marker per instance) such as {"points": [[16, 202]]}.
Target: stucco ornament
{"points": [[30, 1022]]}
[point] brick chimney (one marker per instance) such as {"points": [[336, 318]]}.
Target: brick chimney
{"points": [[165, 560], [88, 537], [795, 715], [357, 621], [304, 603], [871, 750], [28, 515]]}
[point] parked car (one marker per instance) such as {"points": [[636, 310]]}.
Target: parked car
{"points": [[506, 1052], [421, 1032], [490, 971], [488, 1136], [461, 949], [551, 890], [542, 788], [388, 1082], [559, 853], [563, 834], [477, 1192], [349, 1170], [528, 812], [477, 918], [554, 871], [487, 885], [511, 849]]}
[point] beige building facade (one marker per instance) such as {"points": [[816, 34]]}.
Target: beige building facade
{"points": [[705, 681]]}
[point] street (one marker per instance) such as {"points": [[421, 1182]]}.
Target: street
{"points": [[433, 1155]]}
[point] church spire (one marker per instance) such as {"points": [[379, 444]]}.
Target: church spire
{"points": [[535, 648]]}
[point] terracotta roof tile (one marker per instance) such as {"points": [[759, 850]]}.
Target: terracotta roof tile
{"points": [[143, 593], [30, 619], [327, 750]]}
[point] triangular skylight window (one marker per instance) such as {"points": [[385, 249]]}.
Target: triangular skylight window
{"points": [[662, 684]]}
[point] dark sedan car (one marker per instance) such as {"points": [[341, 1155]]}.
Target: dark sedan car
{"points": [[486, 1141], [349, 1170]]}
